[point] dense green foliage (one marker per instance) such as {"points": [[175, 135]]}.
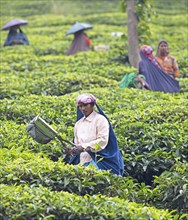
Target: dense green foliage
{"points": [[151, 127], [40, 203]]}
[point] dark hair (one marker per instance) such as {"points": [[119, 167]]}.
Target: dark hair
{"points": [[162, 41]]}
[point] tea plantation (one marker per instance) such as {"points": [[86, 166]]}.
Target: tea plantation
{"points": [[151, 127]]}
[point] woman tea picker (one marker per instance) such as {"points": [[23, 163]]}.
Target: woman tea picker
{"points": [[94, 137], [166, 61], [155, 75]]}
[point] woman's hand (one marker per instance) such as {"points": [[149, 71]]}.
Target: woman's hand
{"points": [[75, 150], [68, 151]]}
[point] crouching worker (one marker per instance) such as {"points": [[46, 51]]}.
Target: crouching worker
{"points": [[95, 140]]}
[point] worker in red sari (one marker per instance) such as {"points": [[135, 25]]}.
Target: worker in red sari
{"points": [[166, 61]]}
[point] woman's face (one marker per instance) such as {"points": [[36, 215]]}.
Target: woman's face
{"points": [[163, 49], [86, 109]]}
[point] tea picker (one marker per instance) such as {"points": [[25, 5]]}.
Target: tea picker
{"points": [[15, 35]]}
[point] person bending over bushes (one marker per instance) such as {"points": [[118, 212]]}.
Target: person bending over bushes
{"points": [[153, 71]]}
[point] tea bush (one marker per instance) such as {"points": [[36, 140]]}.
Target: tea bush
{"points": [[22, 202], [171, 188], [36, 169]]}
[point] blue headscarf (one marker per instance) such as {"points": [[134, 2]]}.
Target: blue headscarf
{"points": [[110, 157]]}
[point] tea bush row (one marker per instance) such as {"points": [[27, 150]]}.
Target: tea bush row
{"points": [[53, 85], [23, 202], [23, 63], [34, 169], [57, 85], [137, 105]]}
